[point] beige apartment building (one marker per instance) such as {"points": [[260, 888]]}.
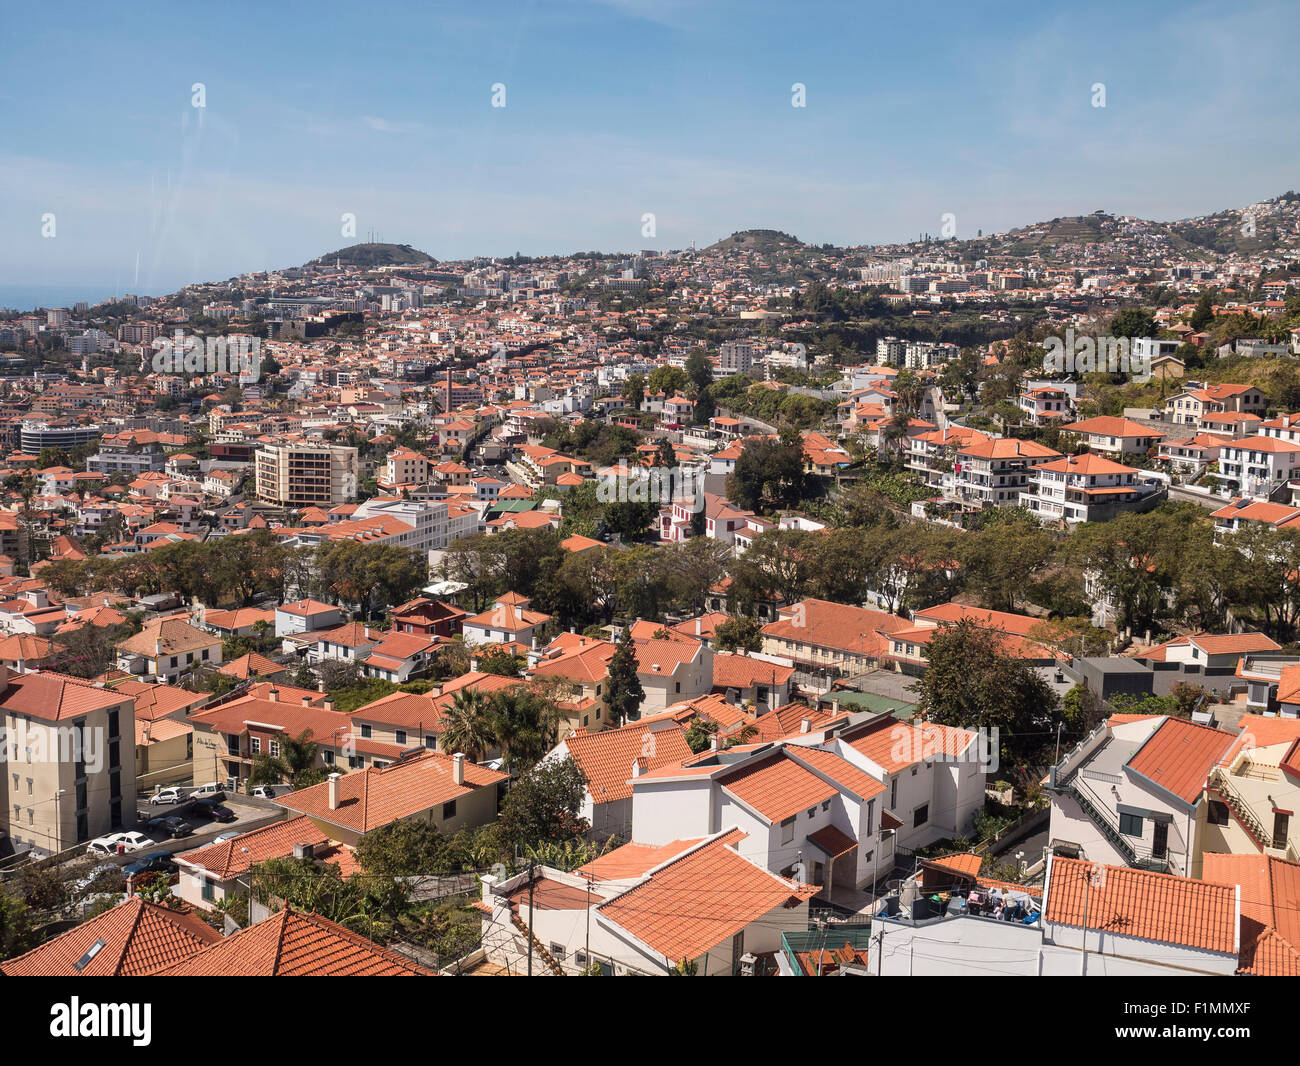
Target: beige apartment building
{"points": [[69, 760], [298, 474]]}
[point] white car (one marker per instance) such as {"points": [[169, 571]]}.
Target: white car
{"points": [[167, 795], [109, 843], [264, 792], [208, 791]]}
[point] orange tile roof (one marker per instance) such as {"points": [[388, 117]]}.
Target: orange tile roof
{"points": [[606, 758], [701, 900], [838, 769], [233, 857], [633, 860], [139, 939], [835, 625], [294, 943], [1178, 756], [53, 697], [376, 796], [777, 787], [894, 745], [741, 671], [1138, 903], [1270, 910]]}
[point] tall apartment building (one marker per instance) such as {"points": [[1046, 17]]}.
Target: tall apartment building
{"points": [[138, 332], [300, 474], [69, 769], [736, 357]]}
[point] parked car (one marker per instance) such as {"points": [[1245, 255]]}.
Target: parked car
{"points": [[117, 843], [177, 827], [167, 795], [217, 812], [265, 791], [211, 791], [159, 861]]}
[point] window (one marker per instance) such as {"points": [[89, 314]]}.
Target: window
{"points": [[327, 757], [1281, 823], [366, 732], [430, 742], [449, 809], [208, 893], [787, 831], [1217, 814], [275, 749], [255, 745], [893, 793], [812, 812], [826, 805], [1130, 825], [871, 816], [913, 771], [557, 950], [921, 815], [400, 735], [677, 687]]}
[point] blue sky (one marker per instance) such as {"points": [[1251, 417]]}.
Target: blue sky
{"points": [[614, 108]]}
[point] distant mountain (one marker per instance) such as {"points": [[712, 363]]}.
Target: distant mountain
{"points": [[764, 241], [367, 256]]}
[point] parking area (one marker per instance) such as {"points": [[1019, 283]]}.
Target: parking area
{"points": [[199, 827]]}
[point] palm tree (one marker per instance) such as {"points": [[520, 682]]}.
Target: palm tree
{"points": [[296, 763], [467, 726], [526, 725]]}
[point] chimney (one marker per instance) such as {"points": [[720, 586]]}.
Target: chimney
{"points": [[320, 686], [306, 701], [636, 767], [329, 705], [519, 613], [273, 695], [713, 741], [334, 791], [458, 768], [157, 647], [835, 706], [698, 627], [805, 725], [367, 632], [304, 851]]}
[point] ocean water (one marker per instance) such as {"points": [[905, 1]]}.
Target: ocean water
{"points": [[29, 297]]}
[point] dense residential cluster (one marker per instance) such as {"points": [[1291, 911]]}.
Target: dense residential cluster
{"points": [[761, 609]]}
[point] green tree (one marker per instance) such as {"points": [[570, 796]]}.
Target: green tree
{"points": [[543, 804], [738, 633], [467, 726], [626, 693], [404, 848], [972, 681]]}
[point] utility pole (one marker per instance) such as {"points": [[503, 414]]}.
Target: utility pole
{"points": [[1058, 743]]}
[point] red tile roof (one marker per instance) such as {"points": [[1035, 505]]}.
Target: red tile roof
{"points": [[607, 758], [1179, 755], [139, 939], [1138, 903], [1270, 910], [376, 796], [294, 943], [701, 899]]}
